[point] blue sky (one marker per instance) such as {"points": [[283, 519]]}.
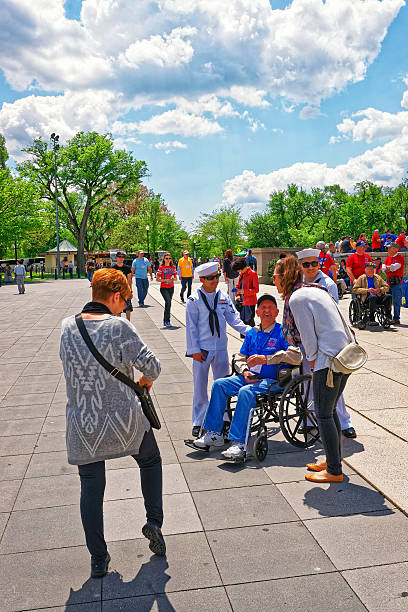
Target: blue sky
{"points": [[225, 101]]}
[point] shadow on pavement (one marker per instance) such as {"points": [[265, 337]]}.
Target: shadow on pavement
{"points": [[150, 577], [345, 498]]}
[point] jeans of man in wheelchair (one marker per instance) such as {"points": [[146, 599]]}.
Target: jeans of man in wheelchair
{"points": [[222, 389]]}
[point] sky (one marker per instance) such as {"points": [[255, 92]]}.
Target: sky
{"points": [[226, 101]]}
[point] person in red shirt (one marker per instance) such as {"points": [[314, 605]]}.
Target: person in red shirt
{"points": [[376, 241], [394, 269], [167, 274], [247, 288], [326, 261], [355, 264], [401, 241]]}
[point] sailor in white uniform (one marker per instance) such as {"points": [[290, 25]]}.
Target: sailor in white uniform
{"points": [[309, 259], [208, 311]]}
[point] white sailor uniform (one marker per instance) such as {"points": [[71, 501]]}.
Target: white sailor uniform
{"points": [[206, 330], [342, 412]]}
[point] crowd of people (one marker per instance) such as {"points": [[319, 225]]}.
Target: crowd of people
{"points": [[313, 333]]}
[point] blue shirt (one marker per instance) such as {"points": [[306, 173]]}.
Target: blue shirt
{"points": [[140, 266], [370, 282], [262, 343]]}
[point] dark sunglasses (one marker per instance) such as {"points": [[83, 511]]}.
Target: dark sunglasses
{"points": [[212, 277], [167, 258], [307, 264], [120, 257]]}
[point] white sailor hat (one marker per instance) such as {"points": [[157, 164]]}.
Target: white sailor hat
{"points": [[308, 253], [207, 269]]}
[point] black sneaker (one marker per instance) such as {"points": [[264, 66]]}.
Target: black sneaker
{"points": [[154, 534], [99, 569], [196, 431], [181, 298]]}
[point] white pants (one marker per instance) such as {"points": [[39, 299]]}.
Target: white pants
{"points": [[342, 413], [231, 284], [219, 362]]}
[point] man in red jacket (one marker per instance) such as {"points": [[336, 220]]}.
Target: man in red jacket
{"points": [[376, 241], [355, 264], [247, 288], [401, 241], [394, 269]]}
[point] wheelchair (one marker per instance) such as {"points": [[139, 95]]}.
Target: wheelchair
{"points": [[359, 312], [288, 406]]}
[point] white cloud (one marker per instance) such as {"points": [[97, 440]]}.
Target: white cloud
{"points": [[179, 122], [165, 51], [170, 146], [248, 96], [385, 165], [374, 125], [38, 116], [310, 112]]}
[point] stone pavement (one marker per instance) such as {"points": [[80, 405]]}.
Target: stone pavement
{"points": [[239, 538]]}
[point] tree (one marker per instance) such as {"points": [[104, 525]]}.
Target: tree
{"points": [[3, 153], [21, 211], [90, 172], [165, 232], [219, 230]]}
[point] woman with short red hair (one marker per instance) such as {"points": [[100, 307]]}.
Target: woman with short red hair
{"points": [[104, 418]]}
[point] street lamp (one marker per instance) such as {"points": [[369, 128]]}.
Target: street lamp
{"points": [[194, 249], [55, 138], [148, 248]]}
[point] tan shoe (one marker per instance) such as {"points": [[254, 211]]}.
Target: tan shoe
{"points": [[317, 467], [324, 477]]}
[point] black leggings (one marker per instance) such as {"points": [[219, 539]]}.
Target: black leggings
{"points": [[167, 293], [93, 487]]}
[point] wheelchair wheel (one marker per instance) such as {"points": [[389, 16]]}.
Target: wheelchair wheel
{"points": [[383, 319], [354, 312], [261, 447], [297, 421]]}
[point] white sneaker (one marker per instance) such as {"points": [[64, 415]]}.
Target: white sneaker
{"points": [[235, 451], [210, 438]]}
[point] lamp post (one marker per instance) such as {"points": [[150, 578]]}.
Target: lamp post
{"points": [[148, 248], [55, 138], [194, 249]]}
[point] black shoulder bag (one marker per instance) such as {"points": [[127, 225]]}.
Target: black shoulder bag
{"points": [[141, 392]]}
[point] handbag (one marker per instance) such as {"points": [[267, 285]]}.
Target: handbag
{"points": [[350, 359], [142, 393]]}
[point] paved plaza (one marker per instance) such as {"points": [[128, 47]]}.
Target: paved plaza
{"points": [[253, 537]]}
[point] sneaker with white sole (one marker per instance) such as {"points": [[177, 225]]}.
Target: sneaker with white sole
{"points": [[235, 451], [210, 438]]}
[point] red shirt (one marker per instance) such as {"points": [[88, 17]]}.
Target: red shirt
{"points": [[357, 263], [165, 275], [376, 241], [326, 262], [401, 240], [396, 259], [250, 284]]}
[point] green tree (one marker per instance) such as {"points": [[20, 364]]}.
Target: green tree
{"points": [[21, 210], [3, 153], [90, 172], [165, 232], [220, 230]]}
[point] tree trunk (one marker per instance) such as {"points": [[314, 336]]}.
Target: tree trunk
{"points": [[80, 252]]}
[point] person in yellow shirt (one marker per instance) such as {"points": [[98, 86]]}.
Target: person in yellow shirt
{"points": [[185, 270]]}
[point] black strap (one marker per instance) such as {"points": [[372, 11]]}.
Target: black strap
{"points": [[322, 264], [114, 372], [213, 316]]}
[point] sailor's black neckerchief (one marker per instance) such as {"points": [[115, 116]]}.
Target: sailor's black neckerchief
{"points": [[213, 316]]}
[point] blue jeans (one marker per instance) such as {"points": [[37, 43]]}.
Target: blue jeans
{"points": [[90, 275], [142, 285], [396, 292], [222, 389]]}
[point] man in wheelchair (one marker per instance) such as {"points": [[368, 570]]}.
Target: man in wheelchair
{"points": [[263, 349], [372, 290]]}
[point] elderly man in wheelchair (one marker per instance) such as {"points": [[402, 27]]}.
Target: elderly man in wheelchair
{"points": [[373, 300], [263, 349]]}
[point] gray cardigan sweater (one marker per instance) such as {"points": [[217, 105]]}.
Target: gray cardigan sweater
{"points": [[104, 418]]}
